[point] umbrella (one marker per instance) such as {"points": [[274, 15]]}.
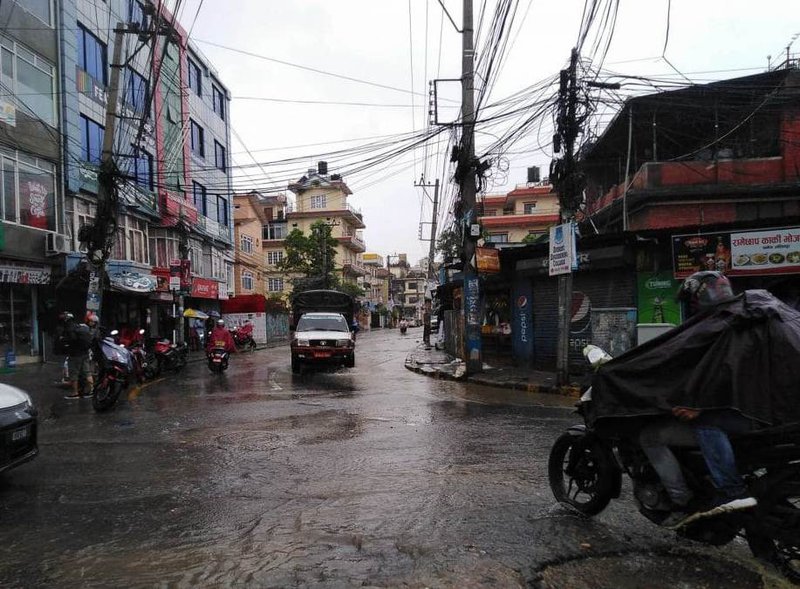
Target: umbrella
{"points": [[194, 314], [214, 314]]}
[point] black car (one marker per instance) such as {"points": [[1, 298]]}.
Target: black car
{"points": [[18, 425]]}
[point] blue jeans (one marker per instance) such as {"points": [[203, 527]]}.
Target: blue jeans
{"points": [[711, 430]]}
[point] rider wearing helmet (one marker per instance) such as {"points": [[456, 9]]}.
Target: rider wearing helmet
{"points": [[705, 290], [220, 338], [708, 429]]}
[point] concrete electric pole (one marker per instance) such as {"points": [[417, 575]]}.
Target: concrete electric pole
{"points": [[472, 318]]}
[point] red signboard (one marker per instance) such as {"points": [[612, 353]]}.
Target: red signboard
{"points": [[202, 288]]}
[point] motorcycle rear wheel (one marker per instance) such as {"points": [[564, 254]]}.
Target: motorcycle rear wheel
{"points": [[584, 481], [105, 395], [782, 550]]}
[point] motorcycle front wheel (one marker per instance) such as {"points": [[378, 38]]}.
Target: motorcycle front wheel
{"points": [[106, 394], [581, 474]]}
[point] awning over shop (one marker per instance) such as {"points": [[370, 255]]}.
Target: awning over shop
{"points": [[194, 314]]}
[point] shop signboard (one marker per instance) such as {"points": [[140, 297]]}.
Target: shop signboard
{"points": [[132, 281], [203, 288], [175, 275], [24, 273], [744, 253], [562, 258], [657, 303], [186, 276], [488, 259]]}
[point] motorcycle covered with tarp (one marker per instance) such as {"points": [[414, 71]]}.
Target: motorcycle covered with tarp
{"points": [[742, 356]]}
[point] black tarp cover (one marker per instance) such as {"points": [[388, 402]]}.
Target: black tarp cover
{"points": [[744, 355]]}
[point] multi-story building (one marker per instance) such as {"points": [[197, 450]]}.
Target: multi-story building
{"points": [[522, 215], [248, 220], [172, 142], [273, 233], [323, 197], [32, 206], [376, 282]]}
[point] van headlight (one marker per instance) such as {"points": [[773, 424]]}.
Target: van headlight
{"points": [[302, 342], [343, 343]]}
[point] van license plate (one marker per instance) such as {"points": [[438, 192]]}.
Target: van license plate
{"points": [[19, 434]]}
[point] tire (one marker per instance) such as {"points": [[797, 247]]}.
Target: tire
{"points": [[351, 361], [105, 395], [295, 366], [150, 372], [252, 345], [776, 537], [593, 474]]}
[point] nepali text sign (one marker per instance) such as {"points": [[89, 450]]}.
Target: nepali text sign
{"points": [[24, 273], [488, 260], [203, 288], [701, 251], [562, 258], [774, 251]]}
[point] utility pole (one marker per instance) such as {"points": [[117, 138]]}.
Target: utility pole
{"points": [[569, 189], [426, 325], [105, 223], [472, 326]]}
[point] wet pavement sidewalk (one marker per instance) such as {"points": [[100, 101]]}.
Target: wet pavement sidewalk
{"points": [[439, 364]]}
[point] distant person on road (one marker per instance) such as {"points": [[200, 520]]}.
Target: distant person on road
{"points": [[81, 366], [220, 338]]}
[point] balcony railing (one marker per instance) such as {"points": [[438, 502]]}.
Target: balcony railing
{"points": [[213, 228]]}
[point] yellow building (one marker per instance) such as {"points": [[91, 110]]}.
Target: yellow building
{"points": [[248, 220], [323, 197], [525, 212]]}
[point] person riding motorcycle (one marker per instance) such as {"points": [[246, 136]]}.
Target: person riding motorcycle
{"points": [[706, 429], [220, 338]]}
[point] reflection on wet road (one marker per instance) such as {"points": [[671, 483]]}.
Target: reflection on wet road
{"points": [[369, 476]]}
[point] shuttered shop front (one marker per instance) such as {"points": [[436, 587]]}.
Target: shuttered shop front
{"points": [[602, 301]]}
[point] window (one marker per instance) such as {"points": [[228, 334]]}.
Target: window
{"points": [[130, 240], [195, 80], [136, 14], [197, 138], [28, 191], [163, 246], [199, 197], [136, 92], [412, 300], [92, 55], [246, 244], [218, 101], [274, 258], [29, 79], [247, 280], [38, 8], [143, 168], [91, 140], [219, 156], [222, 210], [529, 208], [497, 238], [319, 201], [275, 284], [274, 231]]}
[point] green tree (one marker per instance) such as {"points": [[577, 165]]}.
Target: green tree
{"points": [[311, 256], [351, 288], [449, 244]]}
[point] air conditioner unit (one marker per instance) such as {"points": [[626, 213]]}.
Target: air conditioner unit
{"points": [[56, 244]]}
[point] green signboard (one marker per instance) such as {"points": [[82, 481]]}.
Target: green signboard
{"points": [[657, 303]]}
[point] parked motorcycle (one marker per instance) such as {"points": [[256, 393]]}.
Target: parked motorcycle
{"points": [[243, 337], [115, 364], [170, 356], [134, 342], [218, 360], [586, 465]]}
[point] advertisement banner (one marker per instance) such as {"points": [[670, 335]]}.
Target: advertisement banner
{"points": [[175, 275], [657, 302], [22, 273], [774, 251], [186, 276], [693, 253], [522, 321], [562, 258], [203, 288], [745, 253]]}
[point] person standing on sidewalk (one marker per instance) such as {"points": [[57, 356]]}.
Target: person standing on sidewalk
{"points": [[81, 365]]}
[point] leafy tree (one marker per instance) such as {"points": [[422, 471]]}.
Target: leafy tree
{"points": [[311, 256], [449, 244], [351, 288]]}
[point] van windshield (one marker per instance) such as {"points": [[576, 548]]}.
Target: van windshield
{"points": [[322, 323]]}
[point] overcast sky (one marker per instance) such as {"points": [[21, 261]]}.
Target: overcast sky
{"points": [[382, 41]]}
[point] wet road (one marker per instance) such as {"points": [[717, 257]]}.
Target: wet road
{"points": [[374, 476]]}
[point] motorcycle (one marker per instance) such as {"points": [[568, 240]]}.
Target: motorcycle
{"points": [[218, 360], [170, 356], [403, 328], [115, 364], [134, 342], [586, 465], [243, 337]]}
